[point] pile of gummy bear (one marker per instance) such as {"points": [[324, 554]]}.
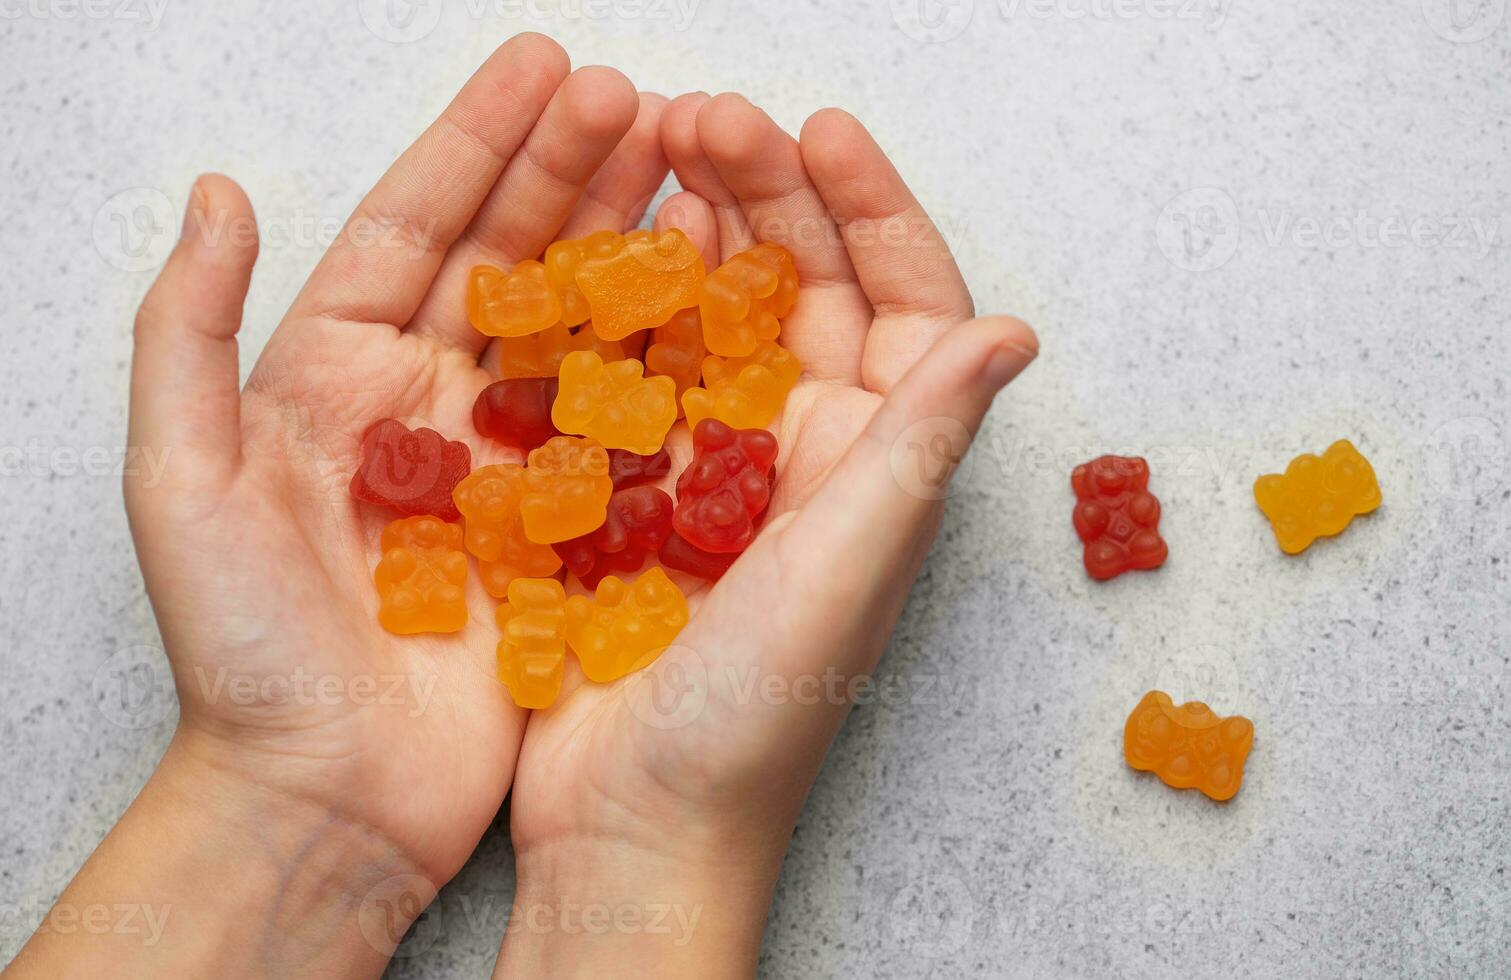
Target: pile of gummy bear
{"points": [[593, 417], [604, 343]]}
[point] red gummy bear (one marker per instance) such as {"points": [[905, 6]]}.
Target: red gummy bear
{"points": [[412, 472], [682, 555], [517, 411], [1116, 516], [726, 486], [639, 521], [629, 469]]}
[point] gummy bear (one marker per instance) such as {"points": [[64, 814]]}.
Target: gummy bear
{"points": [[564, 258], [516, 411], [613, 404], [1188, 746], [725, 487], [532, 651], [1317, 497], [677, 350], [540, 354], [743, 299], [625, 626], [490, 499], [511, 304], [638, 523], [567, 489], [646, 279], [413, 472], [422, 577], [629, 469], [744, 392], [681, 554], [1116, 516]]}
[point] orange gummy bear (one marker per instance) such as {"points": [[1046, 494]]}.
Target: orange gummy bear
{"points": [[511, 304], [625, 626], [743, 392], [1318, 496], [532, 651], [641, 283], [567, 489], [1188, 746], [677, 350], [564, 258], [422, 577], [613, 404], [743, 299], [539, 355], [489, 499]]}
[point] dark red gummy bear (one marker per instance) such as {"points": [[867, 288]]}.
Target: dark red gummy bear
{"points": [[1116, 516], [680, 554], [725, 487], [412, 472], [517, 411], [638, 523], [629, 469]]}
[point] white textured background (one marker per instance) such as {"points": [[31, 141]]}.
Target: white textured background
{"points": [[1243, 229]]}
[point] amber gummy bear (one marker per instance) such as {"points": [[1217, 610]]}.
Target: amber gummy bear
{"points": [[676, 350], [626, 625], [532, 651], [641, 283], [489, 500], [511, 304], [742, 300], [422, 577], [1188, 746], [567, 490], [744, 392], [614, 404], [540, 354], [1317, 496]]}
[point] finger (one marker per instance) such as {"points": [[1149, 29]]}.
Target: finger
{"points": [[903, 263], [522, 214], [695, 216], [617, 196], [874, 503], [382, 265], [763, 168], [185, 391], [696, 173]]}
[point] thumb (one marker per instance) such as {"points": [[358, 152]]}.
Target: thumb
{"points": [[185, 395]]}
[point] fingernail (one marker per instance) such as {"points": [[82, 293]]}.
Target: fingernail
{"points": [[1006, 363], [194, 212]]}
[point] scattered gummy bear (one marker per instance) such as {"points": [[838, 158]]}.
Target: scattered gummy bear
{"points": [[684, 556], [532, 651], [677, 350], [1116, 516], [490, 499], [511, 304], [742, 299], [567, 489], [613, 404], [629, 469], [646, 279], [625, 627], [422, 577], [1317, 497], [413, 472], [1188, 746], [540, 354], [564, 258], [638, 523], [744, 392], [725, 487], [516, 411]]}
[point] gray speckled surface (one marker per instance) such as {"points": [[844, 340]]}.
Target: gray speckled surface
{"points": [[1242, 229]]}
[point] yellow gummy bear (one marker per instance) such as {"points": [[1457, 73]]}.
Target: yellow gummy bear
{"points": [[742, 300], [567, 490], [744, 392], [642, 283], [613, 404], [1317, 496], [564, 258], [511, 304], [539, 355], [532, 651], [625, 626]]}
